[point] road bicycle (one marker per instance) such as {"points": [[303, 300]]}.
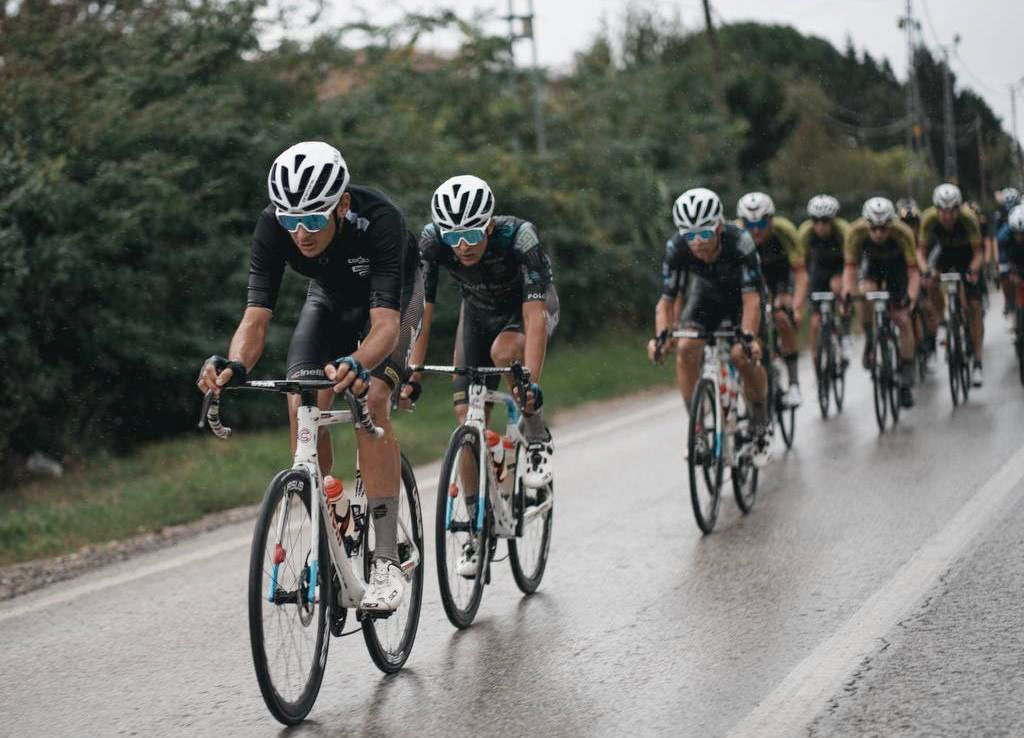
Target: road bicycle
{"points": [[884, 360], [829, 364], [785, 415], [481, 499], [308, 568], [958, 344], [720, 432], [1018, 337]]}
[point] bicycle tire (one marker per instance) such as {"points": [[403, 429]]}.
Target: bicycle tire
{"points": [[390, 649], [968, 354], [288, 711], [879, 390], [893, 364], [528, 578], [705, 464], [838, 372], [823, 368], [465, 438], [744, 484], [954, 357]]}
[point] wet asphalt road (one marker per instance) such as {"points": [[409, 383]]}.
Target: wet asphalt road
{"points": [[642, 626]]}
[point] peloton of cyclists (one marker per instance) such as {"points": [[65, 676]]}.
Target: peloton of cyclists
{"points": [[714, 265], [361, 313]]}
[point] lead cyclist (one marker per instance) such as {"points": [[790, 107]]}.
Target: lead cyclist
{"points": [[362, 311]]}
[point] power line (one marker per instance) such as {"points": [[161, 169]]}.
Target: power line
{"points": [[973, 76]]}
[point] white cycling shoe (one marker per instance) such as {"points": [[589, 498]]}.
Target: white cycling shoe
{"points": [[467, 565], [386, 587], [538, 463], [792, 398], [976, 376], [762, 450]]}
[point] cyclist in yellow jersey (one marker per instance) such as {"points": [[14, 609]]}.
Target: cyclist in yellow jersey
{"points": [[950, 241], [820, 240], [879, 251], [785, 277]]}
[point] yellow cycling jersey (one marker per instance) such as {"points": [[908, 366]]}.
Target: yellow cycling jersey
{"points": [[899, 240], [965, 234], [781, 244], [811, 247]]}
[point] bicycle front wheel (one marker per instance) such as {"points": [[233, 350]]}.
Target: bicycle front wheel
{"points": [[784, 414], [954, 360], [705, 455], [838, 367], [528, 554], [288, 628], [892, 364], [823, 369], [461, 527], [879, 383], [389, 640]]}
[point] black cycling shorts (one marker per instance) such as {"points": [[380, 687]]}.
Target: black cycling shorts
{"points": [[889, 274], [707, 307], [821, 273], [778, 277], [955, 260], [477, 331], [326, 331]]}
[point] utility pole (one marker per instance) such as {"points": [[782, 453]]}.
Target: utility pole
{"points": [[538, 90], [914, 128], [949, 136], [1013, 133]]}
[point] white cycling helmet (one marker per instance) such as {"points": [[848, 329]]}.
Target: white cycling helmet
{"points": [[461, 202], [754, 206], [947, 196], [823, 206], [879, 211], [697, 208], [309, 177], [1011, 196], [1016, 219]]}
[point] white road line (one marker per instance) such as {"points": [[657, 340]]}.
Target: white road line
{"points": [[198, 554], [803, 694]]}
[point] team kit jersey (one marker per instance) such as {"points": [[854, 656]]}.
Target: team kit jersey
{"points": [[950, 249], [823, 256], [886, 263], [780, 255], [371, 262], [713, 290]]}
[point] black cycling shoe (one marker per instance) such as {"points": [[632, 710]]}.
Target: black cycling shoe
{"points": [[906, 397], [869, 355]]}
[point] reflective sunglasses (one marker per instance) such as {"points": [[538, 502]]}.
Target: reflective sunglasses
{"points": [[821, 220], [759, 224], [312, 222], [877, 228], [704, 234], [471, 236]]}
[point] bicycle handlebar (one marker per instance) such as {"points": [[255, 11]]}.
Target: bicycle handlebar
{"points": [[520, 375], [210, 413]]}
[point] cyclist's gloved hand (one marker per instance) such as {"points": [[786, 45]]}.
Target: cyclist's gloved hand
{"points": [[218, 372], [410, 392], [658, 347], [534, 398], [348, 373]]}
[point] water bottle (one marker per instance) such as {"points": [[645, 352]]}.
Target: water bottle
{"points": [[723, 386], [337, 506], [496, 450], [508, 474]]}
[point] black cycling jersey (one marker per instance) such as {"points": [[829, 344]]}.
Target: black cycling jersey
{"points": [[514, 269], [736, 270], [369, 263]]}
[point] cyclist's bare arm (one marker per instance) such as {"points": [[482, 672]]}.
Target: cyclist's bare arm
{"points": [[666, 314], [750, 321], [378, 344], [418, 355], [977, 255], [535, 328], [801, 283], [246, 348]]}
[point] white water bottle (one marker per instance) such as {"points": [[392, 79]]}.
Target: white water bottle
{"points": [[496, 449]]}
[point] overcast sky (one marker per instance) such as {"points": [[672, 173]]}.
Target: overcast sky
{"points": [[991, 47]]}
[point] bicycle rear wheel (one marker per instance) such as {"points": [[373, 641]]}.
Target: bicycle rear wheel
{"points": [[459, 524], [705, 455], [389, 640], [528, 554], [288, 632]]}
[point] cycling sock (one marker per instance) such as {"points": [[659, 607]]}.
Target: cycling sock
{"points": [[907, 372], [533, 427], [791, 368], [385, 528]]}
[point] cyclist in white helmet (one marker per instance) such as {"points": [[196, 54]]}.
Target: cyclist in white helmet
{"points": [[1007, 200], [785, 277], [1011, 251], [362, 311], [715, 265], [509, 308], [820, 239], [950, 241], [879, 252]]}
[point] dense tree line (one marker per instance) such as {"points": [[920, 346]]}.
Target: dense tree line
{"points": [[135, 137]]}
